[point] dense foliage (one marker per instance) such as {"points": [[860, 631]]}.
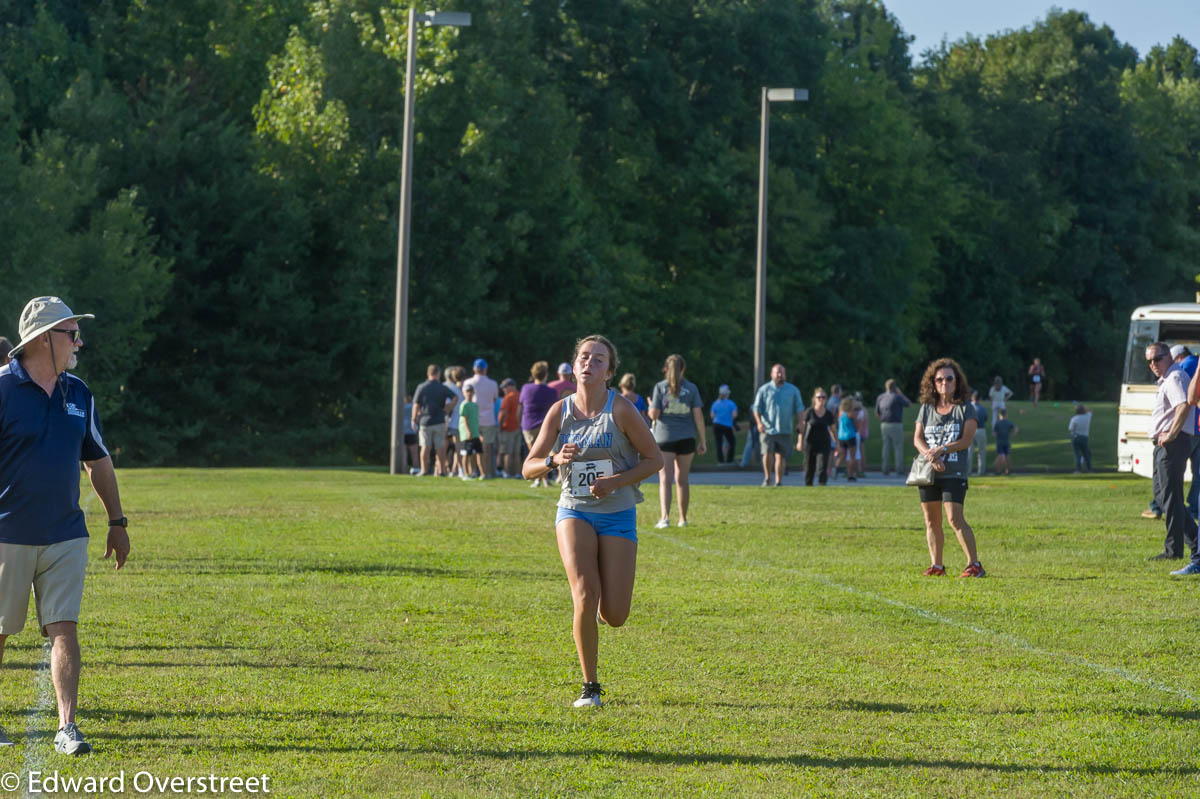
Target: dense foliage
{"points": [[217, 181]]}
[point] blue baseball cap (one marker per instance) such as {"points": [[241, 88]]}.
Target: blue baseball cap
{"points": [[480, 363]]}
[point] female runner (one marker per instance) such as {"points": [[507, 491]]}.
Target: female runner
{"points": [[602, 450]]}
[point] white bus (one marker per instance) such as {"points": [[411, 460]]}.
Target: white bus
{"points": [[1175, 323]]}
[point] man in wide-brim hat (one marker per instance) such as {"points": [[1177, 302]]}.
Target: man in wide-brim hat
{"points": [[48, 424]]}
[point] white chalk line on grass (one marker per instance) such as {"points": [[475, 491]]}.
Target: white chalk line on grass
{"points": [[44, 704], [1012, 640], [35, 750]]}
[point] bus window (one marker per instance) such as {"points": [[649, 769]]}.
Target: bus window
{"points": [[1185, 333], [1141, 335]]}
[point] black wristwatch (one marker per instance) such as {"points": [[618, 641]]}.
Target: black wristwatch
{"points": [[550, 462], [121, 522]]}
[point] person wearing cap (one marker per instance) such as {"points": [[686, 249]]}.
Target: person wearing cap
{"points": [[48, 424], [470, 447], [510, 429], [1187, 362], [486, 392], [565, 384], [1182, 356], [723, 413]]}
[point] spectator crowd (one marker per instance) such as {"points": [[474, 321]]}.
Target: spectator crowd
{"points": [[465, 424]]}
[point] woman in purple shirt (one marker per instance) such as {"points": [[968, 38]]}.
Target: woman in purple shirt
{"points": [[534, 402]]}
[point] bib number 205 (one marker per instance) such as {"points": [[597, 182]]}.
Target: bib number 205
{"points": [[585, 474]]}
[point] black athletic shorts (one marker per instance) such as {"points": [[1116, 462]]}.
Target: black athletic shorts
{"points": [[684, 446], [410, 439], [946, 489], [472, 446]]}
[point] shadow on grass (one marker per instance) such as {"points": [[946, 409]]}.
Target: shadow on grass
{"points": [[1182, 715], [230, 664], [852, 705], [276, 716], [235, 566], [797, 761], [882, 707], [167, 647]]}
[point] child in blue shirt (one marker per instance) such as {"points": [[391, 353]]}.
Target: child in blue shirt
{"points": [[1004, 431]]}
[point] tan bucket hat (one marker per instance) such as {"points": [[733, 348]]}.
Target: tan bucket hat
{"points": [[41, 314]]}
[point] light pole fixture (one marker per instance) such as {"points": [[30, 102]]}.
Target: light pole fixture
{"points": [[760, 281], [398, 463]]}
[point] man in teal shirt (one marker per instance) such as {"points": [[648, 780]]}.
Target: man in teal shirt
{"points": [[777, 408]]}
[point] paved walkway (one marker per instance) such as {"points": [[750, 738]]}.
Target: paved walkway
{"points": [[738, 477]]}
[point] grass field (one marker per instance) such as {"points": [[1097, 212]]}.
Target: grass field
{"points": [[351, 634], [1042, 444]]}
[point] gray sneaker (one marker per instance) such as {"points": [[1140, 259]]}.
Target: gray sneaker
{"points": [[4, 741], [69, 741]]}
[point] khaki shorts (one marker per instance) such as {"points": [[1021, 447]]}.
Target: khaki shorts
{"points": [[55, 573], [510, 442], [433, 435], [489, 434], [531, 435]]}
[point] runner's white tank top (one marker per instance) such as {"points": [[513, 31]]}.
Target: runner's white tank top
{"points": [[598, 439]]}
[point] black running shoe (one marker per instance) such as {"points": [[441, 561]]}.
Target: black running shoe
{"points": [[590, 696]]}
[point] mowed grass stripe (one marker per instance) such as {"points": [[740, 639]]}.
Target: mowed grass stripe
{"points": [[1000, 639], [351, 633]]}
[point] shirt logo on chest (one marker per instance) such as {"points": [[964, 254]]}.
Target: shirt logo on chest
{"points": [[75, 410], [586, 439]]}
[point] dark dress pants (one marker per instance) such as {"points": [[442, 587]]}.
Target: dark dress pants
{"points": [[1170, 461], [816, 462]]}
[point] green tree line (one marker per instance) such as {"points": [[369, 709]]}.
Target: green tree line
{"points": [[218, 180]]}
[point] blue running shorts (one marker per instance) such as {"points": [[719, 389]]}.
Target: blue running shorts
{"points": [[622, 524]]}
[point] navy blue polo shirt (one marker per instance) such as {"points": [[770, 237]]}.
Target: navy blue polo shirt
{"points": [[42, 441]]}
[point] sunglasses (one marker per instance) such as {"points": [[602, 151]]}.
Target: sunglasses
{"points": [[76, 335], [1156, 358], [949, 379]]}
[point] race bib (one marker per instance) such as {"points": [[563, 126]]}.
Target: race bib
{"points": [[1037, 378], [584, 474]]}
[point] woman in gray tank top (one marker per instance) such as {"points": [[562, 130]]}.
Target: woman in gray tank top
{"points": [[602, 450], [945, 430], [677, 413]]}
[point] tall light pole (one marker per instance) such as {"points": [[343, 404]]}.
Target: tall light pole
{"points": [[399, 454], [760, 280]]}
